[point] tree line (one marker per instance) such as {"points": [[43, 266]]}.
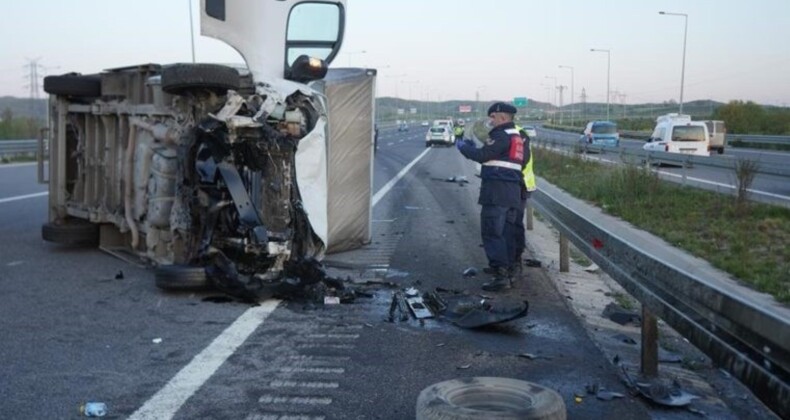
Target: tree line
{"points": [[18, 128]]}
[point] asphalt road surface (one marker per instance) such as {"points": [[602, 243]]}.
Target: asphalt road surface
{"points": [[73, 332]]}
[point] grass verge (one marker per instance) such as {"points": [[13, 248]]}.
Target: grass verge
{"points": [[749, 240]]}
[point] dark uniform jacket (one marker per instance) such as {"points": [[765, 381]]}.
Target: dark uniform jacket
{"points": [[500, 186]]}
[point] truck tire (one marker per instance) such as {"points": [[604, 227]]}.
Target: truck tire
{"points": [[180, 78], [78, 233], [74, 85], [180, 277], [489, 398]]}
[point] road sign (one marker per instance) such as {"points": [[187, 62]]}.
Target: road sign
{"points": [[520, 101], [464, 108]]}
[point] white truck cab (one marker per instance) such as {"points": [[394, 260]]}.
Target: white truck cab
{"points": [[677, 133], [218, 175]]}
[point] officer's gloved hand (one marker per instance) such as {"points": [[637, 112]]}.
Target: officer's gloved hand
{"points": [[459, 144]]}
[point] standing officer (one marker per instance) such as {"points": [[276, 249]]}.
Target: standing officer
{"points": [[530, 185], [501, 190]]}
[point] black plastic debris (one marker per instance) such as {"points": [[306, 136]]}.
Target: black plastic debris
{"points": [[119, 275], [458, 179], [621, 315], [529, 262], [608, 395], [625, 339], [661, 391], [470, 272], [467, 311]]}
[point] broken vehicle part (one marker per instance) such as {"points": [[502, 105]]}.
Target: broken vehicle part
{"points": [[416, 304], [471, 312], [470, 272]]}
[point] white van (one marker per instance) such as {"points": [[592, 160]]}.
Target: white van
{"points": [[215, 175], [717, 131], [676, 133]]}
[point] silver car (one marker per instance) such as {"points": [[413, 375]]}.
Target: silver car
{"points": [[439, 134]]}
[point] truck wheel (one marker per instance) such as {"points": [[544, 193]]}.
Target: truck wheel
{"points": [[489, 398], [71, 233], [73, 85], [179, 78], [180, 277]]}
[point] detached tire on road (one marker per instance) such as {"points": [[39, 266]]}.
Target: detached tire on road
{"points": [[489, 398], [180, 277], [180, 78], [80, 233], [73, 85]]}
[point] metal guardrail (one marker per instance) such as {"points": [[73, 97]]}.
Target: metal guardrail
{"points": [[742, 138], [18, 147], [743, 331], [686, 161]]}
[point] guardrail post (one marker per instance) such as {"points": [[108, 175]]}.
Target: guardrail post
{"points": [[530, 216], [565, 254], [649, 343]]}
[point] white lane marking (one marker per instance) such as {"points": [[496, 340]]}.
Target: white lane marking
{"points": [[388, 186], [16, 165], [165, 403], [23, 197]]}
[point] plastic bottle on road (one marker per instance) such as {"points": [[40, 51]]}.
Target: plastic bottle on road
{"points": [[93, 409]]}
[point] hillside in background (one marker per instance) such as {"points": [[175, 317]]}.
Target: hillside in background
{"points": [[24, 107]]}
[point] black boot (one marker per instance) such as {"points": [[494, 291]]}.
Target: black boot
{"points": [[500, 282]]}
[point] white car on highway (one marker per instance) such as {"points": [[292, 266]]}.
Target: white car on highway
{"points": [[531, 131]]}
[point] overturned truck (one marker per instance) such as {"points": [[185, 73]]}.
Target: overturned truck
{"points": [[219, 174]]}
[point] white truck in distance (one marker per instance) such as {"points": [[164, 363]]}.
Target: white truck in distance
{"points": [[677, 133], [218, 175]]}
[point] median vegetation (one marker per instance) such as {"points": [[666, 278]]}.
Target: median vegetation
{"points": [[746, 239]]}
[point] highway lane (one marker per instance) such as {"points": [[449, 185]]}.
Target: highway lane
{"points": [[74, 333], [766, 188]]}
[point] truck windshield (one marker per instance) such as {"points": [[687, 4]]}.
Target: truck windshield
{"points": [[688, 133]]}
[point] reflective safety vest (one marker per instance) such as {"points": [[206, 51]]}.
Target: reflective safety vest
{"points": [[515, 152], [459, 131], [529, 174]]}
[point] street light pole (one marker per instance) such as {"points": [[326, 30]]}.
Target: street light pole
{"points": [[683, 68], [350, 53], [608, 74], [572, 97]]}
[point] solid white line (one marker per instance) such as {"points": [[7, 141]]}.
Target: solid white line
{"points": [[16, 165], [388, 186], [22, 197], [165, 403]]}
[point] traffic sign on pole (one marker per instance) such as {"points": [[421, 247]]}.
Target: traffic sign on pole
{"points": [[520, 101]]}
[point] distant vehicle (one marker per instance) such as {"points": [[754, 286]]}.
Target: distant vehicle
{"points": [[676, 133], [425, 124], [439, 134], [460, 122], [716, 132], [531, 131], [600, 133], [403, 126], [446, 122]]}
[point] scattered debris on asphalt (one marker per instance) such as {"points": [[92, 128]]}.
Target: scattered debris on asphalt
{"points": [[416, 304], [460, 179], [464, 367], [119, 275], [467, 311], [621, 315], [592, 268], [470, 272], [661, 391], [156, 340], [624, 338], [529, 262], [532, 356]]}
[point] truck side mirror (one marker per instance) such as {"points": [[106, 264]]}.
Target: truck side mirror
{"points": [[305, 69]]}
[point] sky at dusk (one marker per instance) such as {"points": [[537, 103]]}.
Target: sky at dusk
{"points": [[450, 49]]}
